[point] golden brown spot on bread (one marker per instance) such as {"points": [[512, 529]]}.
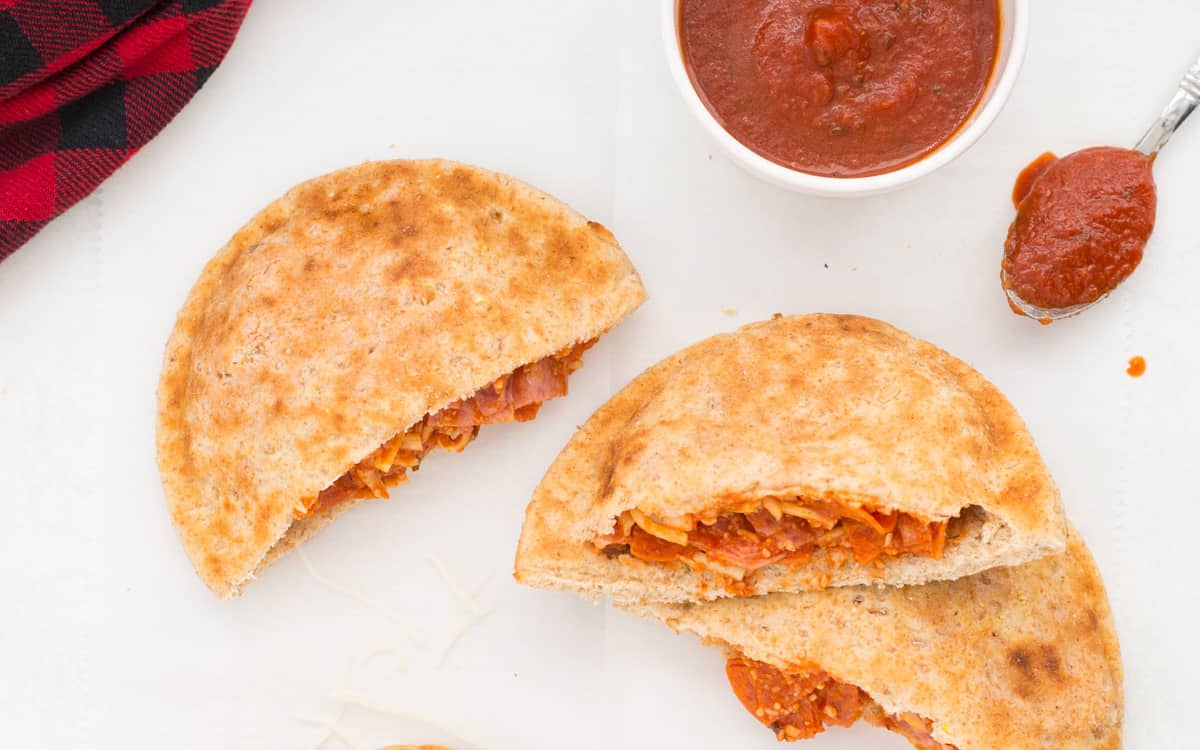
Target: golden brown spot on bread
{"points": [[797, 381], [340, 453], [568, 253], [466, 189], [1051, 662], [401, 235], [515, 238], [357, 359], [413, 266], [308, 444], [263, 514], [392, 170], [608, 469], [1034, 666], [628, 450], [213, 563], [1020, 658], [1022, 490], [220, 526]]}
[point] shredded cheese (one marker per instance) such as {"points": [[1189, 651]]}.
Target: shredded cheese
{"points": [[662, 531], [475, 610], [702, 561], [452, 583], [400, 655], [354, 698], [405, 626], [331, 730], [345, 696]]}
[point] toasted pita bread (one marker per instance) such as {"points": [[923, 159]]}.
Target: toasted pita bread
{"points": [[819, 406], [1019, 658], [345, 312]]}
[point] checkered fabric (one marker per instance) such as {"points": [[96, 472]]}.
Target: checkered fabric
{"points": [[84, 84]]}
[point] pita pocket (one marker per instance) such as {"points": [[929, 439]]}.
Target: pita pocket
{"points": [[362, 320], [790, 455], [1022, 658]]}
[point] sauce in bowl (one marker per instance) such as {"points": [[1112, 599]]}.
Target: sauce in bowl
{"points": [[840, 88]]}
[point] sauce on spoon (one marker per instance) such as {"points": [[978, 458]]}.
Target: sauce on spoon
{"points": [[1081, 227]]}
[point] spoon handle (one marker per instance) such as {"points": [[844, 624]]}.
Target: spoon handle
{"points": [[1185, 100]]}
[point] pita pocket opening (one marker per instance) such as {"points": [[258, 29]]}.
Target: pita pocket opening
{"points": [[791, 455], [363, 320]]}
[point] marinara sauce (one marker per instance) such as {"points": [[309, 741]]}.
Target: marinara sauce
{"points": [[840, 88], [1082, 224]]}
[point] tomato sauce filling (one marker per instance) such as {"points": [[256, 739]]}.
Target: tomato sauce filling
{"points": [[840, 88], [515, 397], [1082, 224], [773, 531], [800, 703]]}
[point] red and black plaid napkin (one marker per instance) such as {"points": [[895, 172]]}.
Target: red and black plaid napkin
{"points": [[84, 84]]}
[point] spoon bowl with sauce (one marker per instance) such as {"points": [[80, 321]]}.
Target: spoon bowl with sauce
{"points": [[1083, 220]]}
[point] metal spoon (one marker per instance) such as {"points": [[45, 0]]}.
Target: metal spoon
{"points": [[1182, 104]]}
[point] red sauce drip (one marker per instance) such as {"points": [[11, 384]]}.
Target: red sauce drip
{"points": [[1082, 224], [1137, 367], [841, 88]]}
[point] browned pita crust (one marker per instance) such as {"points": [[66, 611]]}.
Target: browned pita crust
{"points": [[1022, 658], [343, 313], [806, 405]]}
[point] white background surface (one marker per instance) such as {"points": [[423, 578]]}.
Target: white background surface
{"points": [[108, 639]]}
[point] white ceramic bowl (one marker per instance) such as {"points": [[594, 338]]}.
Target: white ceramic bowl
{"points": [[1014, 32]]}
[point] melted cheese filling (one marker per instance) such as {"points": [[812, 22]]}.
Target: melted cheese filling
{"points": [[742, 537]]}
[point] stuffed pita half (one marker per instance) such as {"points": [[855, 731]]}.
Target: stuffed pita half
{"points": [[362, 320], [1022, 658], [793, 454]]}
